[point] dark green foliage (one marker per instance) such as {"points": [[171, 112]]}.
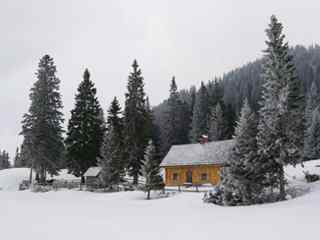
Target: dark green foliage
{"points": [[313, 140], [216, 124], [242, 179], [4, 160], [200, 118], [112, 150], [176, 120], [17, 159], [86, 129], [42, 125], [136, 123], [281, 126], [151, 171]]}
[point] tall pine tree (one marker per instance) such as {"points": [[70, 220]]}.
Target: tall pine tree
{"points": [[135, 120], [281, 104], [42, 125], [242, 179], [85, 129], [151, 171], [112, 150], [313, 140], [176, 120], [312, 104], [216, 125], [200, 118]]}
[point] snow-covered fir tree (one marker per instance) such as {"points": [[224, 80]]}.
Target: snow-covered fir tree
{"points": [[85, 129], [151, 171], [216, 125], [135, 120], [176, 120], [313, 140], [312, 104], [17, 159], [112, 149], [242, 178], [25, 154], [280, 106], [42, 125], [4, 160], [200, 118]]}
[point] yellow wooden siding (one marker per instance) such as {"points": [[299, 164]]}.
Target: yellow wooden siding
{"points": [[212, 171]]}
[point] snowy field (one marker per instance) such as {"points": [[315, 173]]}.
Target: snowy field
{"points": [[79, 215]]}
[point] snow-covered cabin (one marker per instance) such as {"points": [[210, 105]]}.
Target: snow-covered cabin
{"points": [[196, 164], [92, 176]]}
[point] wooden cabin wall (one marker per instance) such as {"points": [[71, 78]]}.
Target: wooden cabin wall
{"points": [[213, 172]]}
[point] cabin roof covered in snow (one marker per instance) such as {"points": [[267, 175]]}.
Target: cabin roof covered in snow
{"points": [[216, 152], [92, 172]]}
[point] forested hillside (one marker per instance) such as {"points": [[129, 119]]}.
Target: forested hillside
{"points": [[222, 98]]}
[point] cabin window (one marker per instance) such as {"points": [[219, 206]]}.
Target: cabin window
{"points": [[204, 176], [175, 176]]}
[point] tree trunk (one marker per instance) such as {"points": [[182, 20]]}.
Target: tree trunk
{"points": [[282, 195], [148, 195], [82, 182], [31, 175], [135, 179]]}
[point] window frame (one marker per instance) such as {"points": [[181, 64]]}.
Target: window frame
{"points": [[206, 176], [175, 176]]}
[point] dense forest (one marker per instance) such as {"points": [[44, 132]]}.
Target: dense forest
{"points": [[224, 96]]}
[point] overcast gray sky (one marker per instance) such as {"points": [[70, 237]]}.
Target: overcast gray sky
{"points": [[193, 40]]}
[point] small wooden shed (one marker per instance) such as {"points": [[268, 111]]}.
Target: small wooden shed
{"points": [[92, 177], [196, 164]]}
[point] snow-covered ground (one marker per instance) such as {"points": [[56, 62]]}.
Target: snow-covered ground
{"points": [[127, 215]]}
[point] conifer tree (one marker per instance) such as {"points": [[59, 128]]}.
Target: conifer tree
{"points": [[85, 129], [200, 118], [278, 146], [216, 128], [17, 159], [25, 154], [42, 125], [312, 104], [112, 150], [176, 120], [4, 160], [242, 179], [151, 171], [313, 140], [135, 119], [229, 119]]}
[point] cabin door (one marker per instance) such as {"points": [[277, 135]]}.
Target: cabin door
{"points": [[189, 176]]}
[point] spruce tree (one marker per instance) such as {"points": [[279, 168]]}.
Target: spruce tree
{"points": [[281, 103], [216, 127], [200, 118], [313, 140], [4, 160], [151, 171], [135, 119], [242, 179], [112, 149], [312, 104], [229, 116], [176, 120], [17, 159], [25, 154], [85, 129], [42, 125]]}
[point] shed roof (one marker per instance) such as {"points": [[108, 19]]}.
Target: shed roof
{"points": [[216, 152], [92, 172]]}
